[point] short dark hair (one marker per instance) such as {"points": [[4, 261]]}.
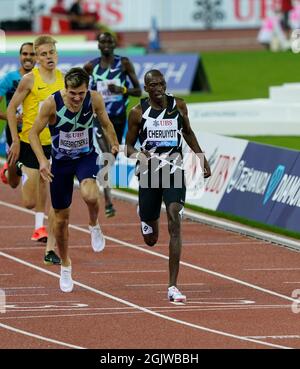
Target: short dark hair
{"points": [[106, 34], [150, 73], [75, 77], [25, 44]]}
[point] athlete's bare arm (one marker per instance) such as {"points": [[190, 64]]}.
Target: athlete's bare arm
{"points": [[134, 119], [107, 126], [3, 114], [19, 96], [189, 134], [45, 116], [88, 67], [129, 69]]}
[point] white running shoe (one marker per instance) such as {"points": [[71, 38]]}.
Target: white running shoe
{"points": [[175, 295], [97, 238], [66, 281]]}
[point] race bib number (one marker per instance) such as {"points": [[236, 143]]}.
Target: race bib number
{"points": [[78, 141], [162, 132], [102, 87]]}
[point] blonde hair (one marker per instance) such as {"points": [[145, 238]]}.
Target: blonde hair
{"points": [[42, 40]]}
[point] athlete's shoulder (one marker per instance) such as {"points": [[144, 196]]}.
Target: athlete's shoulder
{"points": [[179, 101], [49, 104], [96, 98], [27, 80], [94, 61], [126, 63], [181, 106], [123, 58], [136, 110], [13, 75]]}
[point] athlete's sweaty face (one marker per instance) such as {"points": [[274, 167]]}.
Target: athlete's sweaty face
{"points": [[27, 58], [75, 96], [106, 44], [155, 85], [47, 56]]}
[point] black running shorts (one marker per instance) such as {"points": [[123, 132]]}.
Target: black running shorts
{"points": [[150, 200], [28, 158]]}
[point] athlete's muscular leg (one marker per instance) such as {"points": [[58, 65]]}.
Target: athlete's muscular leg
{"points": [[51, 229], [175, 244], [91, 196], [30, 187], [13, 178], [42, 195], [61, 232]]}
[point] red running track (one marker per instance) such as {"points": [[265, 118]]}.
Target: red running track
{"points": [[239, 289]]}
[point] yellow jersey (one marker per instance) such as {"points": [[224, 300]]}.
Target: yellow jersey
{"points": [[31, 105]]}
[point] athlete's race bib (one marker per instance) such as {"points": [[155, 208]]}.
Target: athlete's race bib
{"points": [[71, 141], [102, 87], [162, 132]]}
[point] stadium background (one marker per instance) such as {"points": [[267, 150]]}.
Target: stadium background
{"points": [[233, 65]]}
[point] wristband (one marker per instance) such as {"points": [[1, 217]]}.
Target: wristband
{"points": [[124, 90]]}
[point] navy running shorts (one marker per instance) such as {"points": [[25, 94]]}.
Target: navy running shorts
{"points": [[64, 171]]}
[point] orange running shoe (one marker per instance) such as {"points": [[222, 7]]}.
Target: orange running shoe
{"points": [[40, 235], [2, 173]]}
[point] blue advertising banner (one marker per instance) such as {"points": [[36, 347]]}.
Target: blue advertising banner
{"points": [[183, 72], [256, 178], [286, 200]]}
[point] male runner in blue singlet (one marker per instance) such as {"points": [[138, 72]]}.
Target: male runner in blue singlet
{"points": [[111, 76], [69, 114]]}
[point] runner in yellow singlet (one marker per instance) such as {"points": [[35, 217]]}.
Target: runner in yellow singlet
{"points": [[33, 89]]}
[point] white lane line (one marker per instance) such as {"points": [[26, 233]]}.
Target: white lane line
{"points": [[291, 336], [20, 331], [122, 311], [188, 306], [145, 310], [293, 282]]}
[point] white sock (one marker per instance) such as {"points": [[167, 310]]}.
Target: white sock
{"points": [[39, 220]]}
